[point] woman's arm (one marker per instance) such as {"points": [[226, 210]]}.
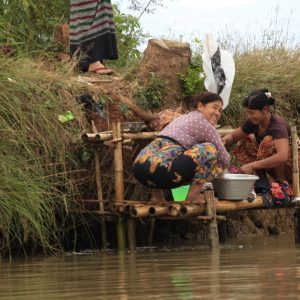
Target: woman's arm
{"points": [[233, 137], [281, 156]]}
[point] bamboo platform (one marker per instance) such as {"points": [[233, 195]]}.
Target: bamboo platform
{"points": [[207, 211]]}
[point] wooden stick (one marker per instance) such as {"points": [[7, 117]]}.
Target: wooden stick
{"points": [[100, 194], [119, 183], [213, 225], [296, 190]]}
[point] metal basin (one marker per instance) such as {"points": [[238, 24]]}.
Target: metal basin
{"points": [[132, 126], [233, 186]]}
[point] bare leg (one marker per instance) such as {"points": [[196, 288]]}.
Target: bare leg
{"points": [[157, 196], [194, 193]]}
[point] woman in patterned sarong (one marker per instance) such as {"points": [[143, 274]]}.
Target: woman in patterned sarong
{"points": [[263, 146], [188, 150], [92, 34]]}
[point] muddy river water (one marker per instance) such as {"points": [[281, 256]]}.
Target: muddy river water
{"points": [[253, 268]]}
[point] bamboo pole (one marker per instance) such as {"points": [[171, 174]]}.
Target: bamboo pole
{"points": [[108, 136], [191, 210], [119, 183], [213, 225], [222, 229], [139, 211], [295, 153], [158, 210], [118, 160], [131, 234], [92, 137], [174, 209], [151, 231], [235, 205], [296, 184], [100, 194], [118, 208]]}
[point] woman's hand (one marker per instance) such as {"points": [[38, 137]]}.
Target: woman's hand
{"points": [[227, 140], [248, 169]]}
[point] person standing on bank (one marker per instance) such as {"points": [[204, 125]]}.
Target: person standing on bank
{"points": [[188, 150], [263, 139], [92, 35]]}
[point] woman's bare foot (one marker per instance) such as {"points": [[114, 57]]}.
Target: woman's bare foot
{"points": [[197, 198], [194, 195], [98, 68], [157, 196]]}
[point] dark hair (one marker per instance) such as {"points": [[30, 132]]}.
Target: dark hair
{"points": [[258, 99], [204, 98]]}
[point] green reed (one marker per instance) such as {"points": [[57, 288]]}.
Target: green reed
{"points": [[39, 165]]}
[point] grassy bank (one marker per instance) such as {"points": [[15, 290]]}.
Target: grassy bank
{"points": [[277, 69], [39, 163], [40, 157]]}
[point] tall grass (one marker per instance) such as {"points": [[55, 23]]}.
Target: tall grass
{"points": [[277, 69], [28, 25], [37, 156]]}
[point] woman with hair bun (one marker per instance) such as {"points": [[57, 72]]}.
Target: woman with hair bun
{"points": [[188, 150], [263, 139]]}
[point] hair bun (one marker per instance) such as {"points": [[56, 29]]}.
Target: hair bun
{"points": [[271, 101]]}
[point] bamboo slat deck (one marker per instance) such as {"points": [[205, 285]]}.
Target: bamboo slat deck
{"points": [[206, 211]]}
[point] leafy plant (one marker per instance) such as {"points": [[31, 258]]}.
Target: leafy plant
{"points": [[129, 36], [29, 25], [150, 95], [193, 81]]}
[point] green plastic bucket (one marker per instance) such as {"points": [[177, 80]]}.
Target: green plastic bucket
{"points": [[180, 193]]}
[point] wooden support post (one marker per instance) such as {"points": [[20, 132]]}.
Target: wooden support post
{"points": [[296, 191], [119, 182], [213, 225], [100, 194], [100, 199], [121, 234], [222, 229], [151, 231], [131, 234], [297, 225], [295, 153]]}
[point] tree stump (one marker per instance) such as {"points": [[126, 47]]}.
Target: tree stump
{"points": [[166, 59], [61, 40]]}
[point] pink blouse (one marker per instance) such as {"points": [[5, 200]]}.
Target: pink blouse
{"points": [[193, 128]]}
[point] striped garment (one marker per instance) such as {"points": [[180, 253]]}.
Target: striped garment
{"points": [[90, 19]]}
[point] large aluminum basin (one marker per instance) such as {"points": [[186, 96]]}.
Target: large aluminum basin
{"points": [[233, 186]]}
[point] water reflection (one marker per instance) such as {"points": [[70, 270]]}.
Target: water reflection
{"points": [[252, 269]]}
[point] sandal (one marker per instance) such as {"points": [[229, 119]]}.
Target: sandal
{"points": [[102, 71]]}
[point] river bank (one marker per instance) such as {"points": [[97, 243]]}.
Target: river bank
{"points": [[48, 171]]}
